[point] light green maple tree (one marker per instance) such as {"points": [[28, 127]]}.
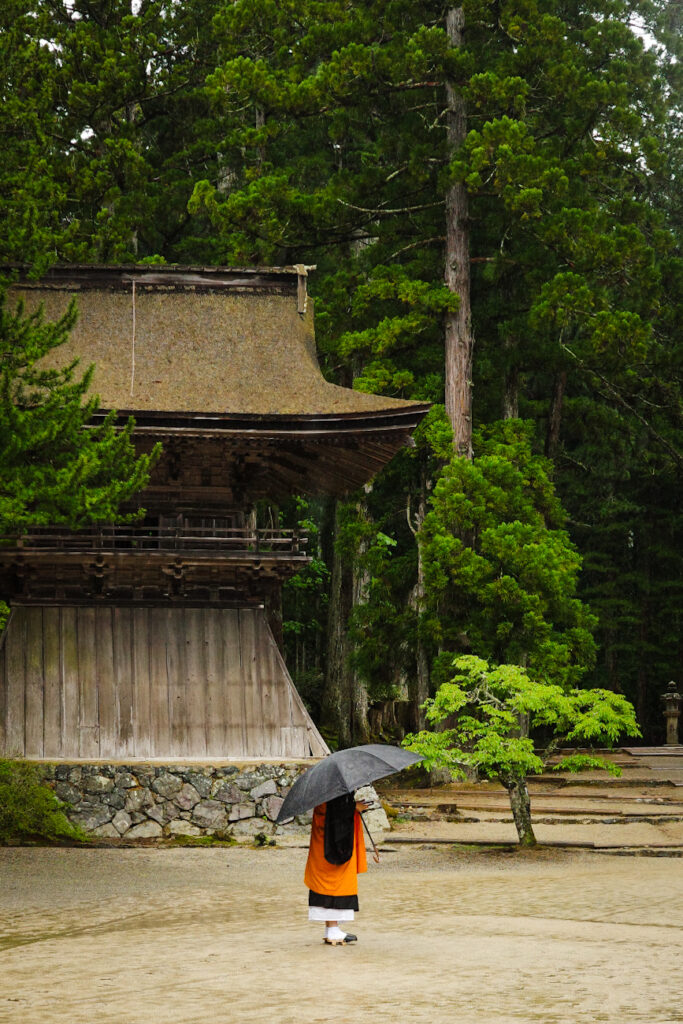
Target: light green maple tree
{"points": [[487, 703]]}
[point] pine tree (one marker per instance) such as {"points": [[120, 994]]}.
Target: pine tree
{"points": [[345, 135], [58, 462]]}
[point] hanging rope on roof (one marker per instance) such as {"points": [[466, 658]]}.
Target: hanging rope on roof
{"points": [[302, 291], [132, 347]]}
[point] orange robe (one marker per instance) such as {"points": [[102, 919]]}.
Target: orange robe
{"points": [[334, 879]]}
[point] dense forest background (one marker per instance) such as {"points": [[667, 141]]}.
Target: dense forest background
{"points": [[488, 193]]}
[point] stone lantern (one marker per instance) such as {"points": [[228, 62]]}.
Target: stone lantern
{"points": [[672, 701]]}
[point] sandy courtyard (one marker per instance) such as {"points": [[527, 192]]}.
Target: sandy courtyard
{"points": [[219, 936]]}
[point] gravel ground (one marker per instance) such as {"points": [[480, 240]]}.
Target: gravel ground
{"points": [[220, 936]]}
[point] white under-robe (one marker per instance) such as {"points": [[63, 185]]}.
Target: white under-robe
{"points": [[329, 914]]}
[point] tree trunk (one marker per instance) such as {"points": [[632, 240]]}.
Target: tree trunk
{"points": [[336, 704], [459, 339], [360, 727], [418, 687], [555, 415], [520, 804], [511, 395]]}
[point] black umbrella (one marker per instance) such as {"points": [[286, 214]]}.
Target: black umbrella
{"points": [[344, 772]]}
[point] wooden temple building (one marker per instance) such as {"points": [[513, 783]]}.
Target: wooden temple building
{"points": [[153, 640]]}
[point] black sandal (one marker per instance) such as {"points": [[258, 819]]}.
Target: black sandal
{"points": [[341, 942]]}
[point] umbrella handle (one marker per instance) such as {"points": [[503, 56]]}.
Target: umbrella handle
{"points": [[365, 825]]}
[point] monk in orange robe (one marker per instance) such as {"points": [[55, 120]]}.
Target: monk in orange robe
{"points": [[336, 857]]}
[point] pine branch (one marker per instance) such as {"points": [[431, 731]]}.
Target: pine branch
{"points": [[620, 400]]}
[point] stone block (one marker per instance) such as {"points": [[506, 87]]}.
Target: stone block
{"points": [[241, 811], [292, 829], [248, 781], [99, 783], [200, 781], [178, 827], [268, 788], [158, 813], [138, 798], [145, 830], [167, 785], [75, 776], [125, 780], [187, 797], [121, 822], [252, 827], [210, 814], [68, 793], [226, 792], [271, 807], [91, 819], [376, 818], [106, 832], [114, 799]]}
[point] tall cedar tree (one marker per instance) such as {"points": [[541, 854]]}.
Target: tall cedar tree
{"points": [[346, 140], [333, 133]]}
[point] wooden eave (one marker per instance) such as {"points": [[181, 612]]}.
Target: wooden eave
{"points": [[274, 457]]}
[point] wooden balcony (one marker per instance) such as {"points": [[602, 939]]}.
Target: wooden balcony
{"points": [[142, 563], [188, 539]]}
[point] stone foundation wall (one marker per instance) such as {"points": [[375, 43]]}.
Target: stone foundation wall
{"points": [[151, 802]]}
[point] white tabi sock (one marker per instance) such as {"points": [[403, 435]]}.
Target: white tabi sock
{"points": [[334, 932]]}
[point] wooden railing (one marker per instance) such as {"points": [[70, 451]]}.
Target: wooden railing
{"points": [[164, 538]]}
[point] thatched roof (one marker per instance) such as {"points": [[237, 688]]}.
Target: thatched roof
{"points": [[197, 340]]}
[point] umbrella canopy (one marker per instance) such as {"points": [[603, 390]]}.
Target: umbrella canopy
{"points": [[344, 772]]}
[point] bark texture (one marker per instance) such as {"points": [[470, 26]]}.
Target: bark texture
{"points": [[345, 699], [555, 415], [336, 707], [511, 395], [520, 804], [418, 685], [459, 339]]}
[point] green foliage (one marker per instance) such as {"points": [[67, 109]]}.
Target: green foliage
{"points": [[29, 810], [256, 132], [483, 705], [104, 115], [56, 464], [304, 607], [501, 573]]}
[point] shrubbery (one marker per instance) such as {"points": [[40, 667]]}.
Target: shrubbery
{"points": [[29, 810]]}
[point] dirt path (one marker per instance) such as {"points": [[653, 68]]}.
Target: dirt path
{"points": [[220, 937]]}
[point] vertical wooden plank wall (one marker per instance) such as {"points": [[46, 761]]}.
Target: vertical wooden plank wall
{"points": [[122, 683], [234, 715], [141, 679], [33, 692], [123, 680], [160, 695], [216, 685], [70, 674], [53, 683], [13, 656], [86, 644]]}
